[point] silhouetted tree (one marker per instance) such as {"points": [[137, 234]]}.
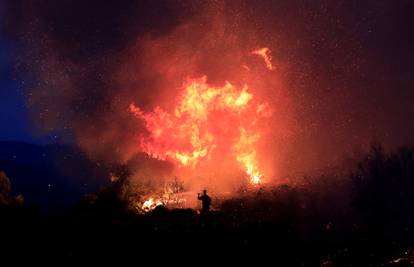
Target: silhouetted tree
{"points": [[384, 186]]}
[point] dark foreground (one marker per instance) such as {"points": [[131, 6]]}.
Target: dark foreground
{"points": [[363, 219], [177, 235]]}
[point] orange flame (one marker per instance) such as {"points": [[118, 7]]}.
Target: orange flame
{"points": [[205, 119], [167, 199], [151, 204], [265, 54]]}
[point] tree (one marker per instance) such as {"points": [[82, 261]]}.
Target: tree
{"points": [[383, 184]]}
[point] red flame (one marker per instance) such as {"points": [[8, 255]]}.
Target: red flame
{"points": [[206, 119]]}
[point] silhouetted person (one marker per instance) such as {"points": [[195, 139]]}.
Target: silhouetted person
{"points": [[206, 201]]}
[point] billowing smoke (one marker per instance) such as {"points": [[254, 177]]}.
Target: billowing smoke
{"points": [[91, 96], [86, 64]]}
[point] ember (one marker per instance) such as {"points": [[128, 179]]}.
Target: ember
{"points": [[265, 54]]}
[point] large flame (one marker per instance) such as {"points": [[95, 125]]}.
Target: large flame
{"points": [[206, 119]]}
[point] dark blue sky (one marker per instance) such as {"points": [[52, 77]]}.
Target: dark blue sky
{"points": [[14, 117]]}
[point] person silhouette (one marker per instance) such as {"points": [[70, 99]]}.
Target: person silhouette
{"points": [[206, 201]]}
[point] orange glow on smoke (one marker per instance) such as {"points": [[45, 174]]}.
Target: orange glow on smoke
{"points": [[206, 121], [265, 54]]}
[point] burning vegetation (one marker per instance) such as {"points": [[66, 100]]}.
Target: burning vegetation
{"points": [[204, 125], [206, 100]]}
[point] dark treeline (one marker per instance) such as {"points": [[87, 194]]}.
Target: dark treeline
{"points": [[362, 219]]}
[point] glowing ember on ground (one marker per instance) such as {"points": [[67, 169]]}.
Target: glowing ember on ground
{"points": [[154, 201], [151, 204]]}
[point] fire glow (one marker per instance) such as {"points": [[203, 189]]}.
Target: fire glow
{"points": [[206, 121]]}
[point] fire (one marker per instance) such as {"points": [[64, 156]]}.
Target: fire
{"points": [[151, 204], [206, 120], [265, 54], [167, 199], [246, 155]]}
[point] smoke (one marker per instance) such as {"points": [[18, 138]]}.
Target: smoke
{"points": [[330, 88]]}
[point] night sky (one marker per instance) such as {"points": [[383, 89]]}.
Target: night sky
{"points": [[346, 66], [14, 118]]}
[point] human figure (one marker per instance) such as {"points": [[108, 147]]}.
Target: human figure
{"points": [[205, 200], [260, 192]]}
